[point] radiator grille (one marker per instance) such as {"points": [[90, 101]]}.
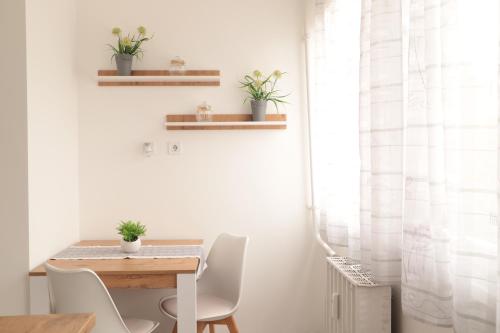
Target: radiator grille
{"points": [[356, 304]]}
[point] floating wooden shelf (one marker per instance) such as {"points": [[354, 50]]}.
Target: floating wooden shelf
{"points": [[187, 78], [224, 122]]}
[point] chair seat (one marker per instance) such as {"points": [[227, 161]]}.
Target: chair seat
{"points": [[208, 307], [135, 325]]}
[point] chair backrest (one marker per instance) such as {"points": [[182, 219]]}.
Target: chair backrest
{"points": [[224, 274], [82, 291]]}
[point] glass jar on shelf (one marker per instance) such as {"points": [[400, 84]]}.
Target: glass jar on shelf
{"points": [[204, 112], [177, 65]]}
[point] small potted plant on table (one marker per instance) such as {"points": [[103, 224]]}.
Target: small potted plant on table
{"points": [[128, 47], [130, 232], [262, 89]]}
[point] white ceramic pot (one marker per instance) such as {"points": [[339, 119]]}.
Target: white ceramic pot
{"points": [[130, 247]]}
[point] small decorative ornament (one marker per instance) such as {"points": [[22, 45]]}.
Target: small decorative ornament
{"points": [[177, 65], [204, 112]]}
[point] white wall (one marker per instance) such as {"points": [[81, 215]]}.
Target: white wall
{"points": [[13, 161], [243, 182], [52, 127]]}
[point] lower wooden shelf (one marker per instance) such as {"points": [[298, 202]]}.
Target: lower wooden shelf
{"points": [[188, 122]]}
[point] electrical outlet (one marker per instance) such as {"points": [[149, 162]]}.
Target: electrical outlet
{"points": [[174, 148]]}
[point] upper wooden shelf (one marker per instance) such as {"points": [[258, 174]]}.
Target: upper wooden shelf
{"points": [[186, 78], [224, 122]]}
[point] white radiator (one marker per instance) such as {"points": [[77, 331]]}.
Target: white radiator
{"points": [[355, 303]]}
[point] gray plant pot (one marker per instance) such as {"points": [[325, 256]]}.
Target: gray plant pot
{"points": [[124, 64], [258, 110]]}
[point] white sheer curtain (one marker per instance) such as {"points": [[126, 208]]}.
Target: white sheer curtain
{"points": [[451, 164], [333, 70], [426, 210], [357, 209], [381, 137]]}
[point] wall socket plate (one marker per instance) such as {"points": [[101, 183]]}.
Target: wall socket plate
{"points": [[174, 148]]}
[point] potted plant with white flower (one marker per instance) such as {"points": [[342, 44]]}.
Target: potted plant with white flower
{"points": [[261, 89], [127, 48], [131, 231]]}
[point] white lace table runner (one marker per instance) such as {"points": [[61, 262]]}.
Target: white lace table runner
{"points": [[145, 252]]}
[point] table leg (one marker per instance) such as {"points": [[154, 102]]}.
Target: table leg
{"points": [[186, 303]]}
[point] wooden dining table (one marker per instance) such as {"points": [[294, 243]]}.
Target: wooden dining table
{"points": [[50, 323], [145, 273]]}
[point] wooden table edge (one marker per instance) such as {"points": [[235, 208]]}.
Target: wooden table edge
{"points": [[116, 242], [87, 324], [40, 269], [90, 324]]}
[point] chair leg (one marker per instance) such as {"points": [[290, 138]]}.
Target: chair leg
{"points": [[231, 325], [201, 326], [212, 328], [175, 328]]}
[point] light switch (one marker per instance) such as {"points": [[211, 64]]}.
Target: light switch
{"points": [[148, 148]]}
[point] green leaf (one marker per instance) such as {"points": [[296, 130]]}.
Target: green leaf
{"points": [[275, 104], [120, 46], [131, 230]]}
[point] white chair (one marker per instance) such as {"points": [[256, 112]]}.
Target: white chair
{"points": [[82, 291], [219, 288]]}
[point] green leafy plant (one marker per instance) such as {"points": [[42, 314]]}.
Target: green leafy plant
{"points": [[129, 44], [263, 88], [131, 230]]}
